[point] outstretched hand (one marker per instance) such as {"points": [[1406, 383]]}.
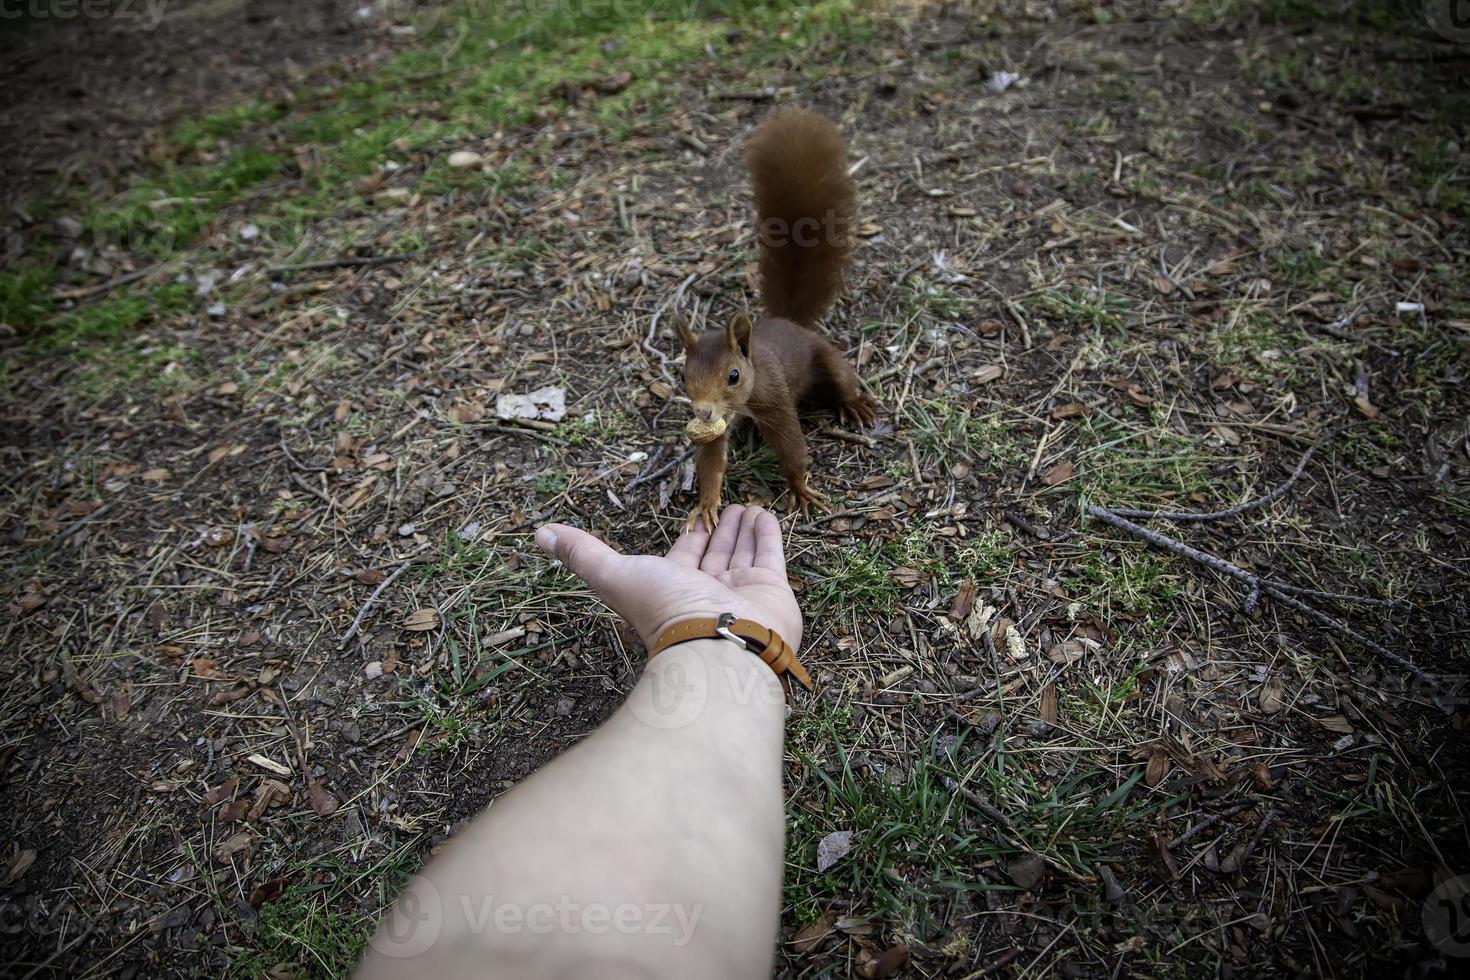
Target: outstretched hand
{"points": [[740, 568]]}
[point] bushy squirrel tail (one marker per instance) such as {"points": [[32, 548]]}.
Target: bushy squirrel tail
{"points": [[804, 203]]}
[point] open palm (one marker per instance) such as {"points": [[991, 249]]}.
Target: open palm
{"points": [[739, 569]]}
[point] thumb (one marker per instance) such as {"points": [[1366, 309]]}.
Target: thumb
{"points": [[588, 558]]}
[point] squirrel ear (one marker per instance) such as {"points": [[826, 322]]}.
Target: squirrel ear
{"points": [[681, 327], [737, 335]]}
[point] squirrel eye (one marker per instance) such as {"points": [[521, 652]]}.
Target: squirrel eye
{"points": [[734, 378]]}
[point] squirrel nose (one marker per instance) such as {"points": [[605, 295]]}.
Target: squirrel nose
{"points": [[706, 413]]}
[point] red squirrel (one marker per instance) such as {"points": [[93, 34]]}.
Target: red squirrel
{"points": [[770, 369]]}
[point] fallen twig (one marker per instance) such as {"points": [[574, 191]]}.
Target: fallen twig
{"points": [[523, 430], [1235, 860], [666, 468], [343, 262], [1237, 510], [84, 292], [1209, 822], [677, 300], [1259, 586], [382, 587], [856, 438]]}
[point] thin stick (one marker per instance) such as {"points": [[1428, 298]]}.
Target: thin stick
{"points": [[647, 343], [1209, 822], [382, 586], [520, 430], [343, 262], [1237, 510], [856, 438], [1261, 586], [667, 467]]}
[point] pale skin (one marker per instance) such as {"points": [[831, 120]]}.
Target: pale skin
{"points": [[654, 847]]}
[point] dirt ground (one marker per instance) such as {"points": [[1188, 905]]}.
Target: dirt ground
{"points": [[276, 626]]}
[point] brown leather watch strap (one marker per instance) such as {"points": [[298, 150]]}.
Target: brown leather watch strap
{"points": [[764, 642]]}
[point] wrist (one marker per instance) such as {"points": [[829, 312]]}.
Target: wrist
{"points": [[750, 635]]}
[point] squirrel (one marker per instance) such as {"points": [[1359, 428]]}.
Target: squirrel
{"points": [[768, 370]]}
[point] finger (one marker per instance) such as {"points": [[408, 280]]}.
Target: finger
{"points": [[691, 545], [722, 545], [744, 556], [768, 550], [586, 556]]}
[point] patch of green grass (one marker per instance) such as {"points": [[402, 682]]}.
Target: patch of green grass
{"points": [[436, 97], [856, 577], [1128, 583], [947, 430], [908, 847], [25, 294], [551, 483], [983, 556], [1302, 268], [1120, 462], [919, 844], [307, 931], [110, 319], [1090, 309], [1254, 346]]}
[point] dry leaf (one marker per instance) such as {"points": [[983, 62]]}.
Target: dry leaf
{"points": [[19, 864], [888, 962], [1027, 871], [234, 845], [1336, 723], [810, 936], [224, 791], [1060, 473], [1269, 700], [987, 374], [833, 848], [267, 891], [421, 619], [1048, 708], [156, 475], [1069, 410], [1158, 766], [322, 800]]}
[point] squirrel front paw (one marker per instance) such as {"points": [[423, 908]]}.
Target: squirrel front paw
{"points": [[804, 499], [861, 411], [710, 513]]}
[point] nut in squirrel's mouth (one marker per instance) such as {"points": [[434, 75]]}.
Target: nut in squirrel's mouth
{"points": [[705, 430]]}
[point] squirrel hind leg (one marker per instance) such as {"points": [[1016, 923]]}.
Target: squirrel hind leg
{"points": [[844, 391]]}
